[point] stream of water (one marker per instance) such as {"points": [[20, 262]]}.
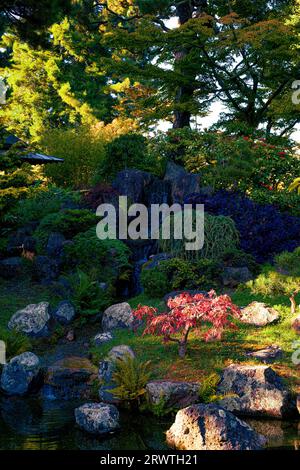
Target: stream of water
{"points": [[32, 424]]}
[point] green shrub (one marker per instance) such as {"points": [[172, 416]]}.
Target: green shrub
{"points": [[82, 152], [220, 235], [69, 222], [131, 377], [180, 274], [103, 260], [238, 258], [155, 282], [87, 296], [289, 263], [41, 202], [128, 151], [283, 200], [16, 342]]}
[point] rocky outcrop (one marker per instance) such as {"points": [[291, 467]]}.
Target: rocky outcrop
{"points": [[117, 316], [258, 314], [70, 378], [55, 245], [133, 184], [64, 312], [102, 338], [106, 370], [31, 320], [172, 395], [182, 183], [97, 418], [232, 277], [11, 267], [210, 427], [267, 355], [21, 375], [45, 270], [255, 391]]}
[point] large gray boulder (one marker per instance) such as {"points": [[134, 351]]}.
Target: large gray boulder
{"points": [[31, 320], [21, 375], [210, 427], [106, 371], [132, 183], [267, 355], [97, 418], [64, 312], [170, 394], [182, 183], [117, 316], [256, 391], [259, 314], [232, 277]]}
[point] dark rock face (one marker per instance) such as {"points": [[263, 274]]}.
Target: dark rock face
{"points": [[232, 277], [65, 312], [31, 320], [182, 182], [158, 192], [259, 314], [267, 355], [172, 394], [257, 391], [106, 370], [133, 184], [296, 324], [97, 418], [11, 267], [45, 269], [55, 245], [117, 316], [210, 427], [69, 379], [21, 375]]}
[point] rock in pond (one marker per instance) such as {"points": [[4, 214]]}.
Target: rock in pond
{"points": [[31, 320], [210, 427], [21, 374], [64, 312], [257, 391], [258, 314], [102, 338], [117, 316], [70, 378], [267, 355], [97, 418], [106, 370], [172, 395]]}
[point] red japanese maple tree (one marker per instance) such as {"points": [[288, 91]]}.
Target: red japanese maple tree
{"points": [[189, 311]]}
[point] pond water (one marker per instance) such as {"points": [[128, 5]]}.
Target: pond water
{"points": [[32, 424]]}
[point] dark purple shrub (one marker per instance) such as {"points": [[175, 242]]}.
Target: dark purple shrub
{"points": [[264, 231]]}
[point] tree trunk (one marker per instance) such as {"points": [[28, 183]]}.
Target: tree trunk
{"points": [[293, 304], [182, 117], [182, 349]]}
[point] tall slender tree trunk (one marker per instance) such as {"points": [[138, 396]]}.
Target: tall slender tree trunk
{"points": [[184, 93]]}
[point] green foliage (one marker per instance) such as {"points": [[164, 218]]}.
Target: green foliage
{"points": [[155, 282], [220, 235], [208, 388], [295, 186], [283, 200], [41, 202], [180, 274], [16, 342], [89, 299], [288, 262], [131, 377], [237, 258], [69, 222], [82, 152], [128, 151], [102, 260]]}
